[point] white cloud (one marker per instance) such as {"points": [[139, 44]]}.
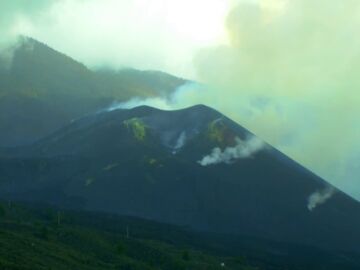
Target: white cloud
{"points": [[145, 34]]}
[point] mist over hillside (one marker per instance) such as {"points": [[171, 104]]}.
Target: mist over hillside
{"points": [[41, 90]]}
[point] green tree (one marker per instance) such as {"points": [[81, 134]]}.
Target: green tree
{"points": [[120, 248], [44, 233], [185, 255]]}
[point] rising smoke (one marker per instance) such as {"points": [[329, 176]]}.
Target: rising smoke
{"points": [[290, 76], [320, 197], [180, 142], [160, 103], [243, 149]]}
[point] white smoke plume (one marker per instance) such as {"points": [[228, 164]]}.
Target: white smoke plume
{"points": [[320, 197], [178, 100], [159, 103], [180, 142], [243, 149], [290, 75]]}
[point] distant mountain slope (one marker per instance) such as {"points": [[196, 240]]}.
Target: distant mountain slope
{"points": [[41, 79], [146, 162]]}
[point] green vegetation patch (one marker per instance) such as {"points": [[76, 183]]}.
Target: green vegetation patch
{"points": [[152, 161], [216, 131], [45, 238], [137, 127]]}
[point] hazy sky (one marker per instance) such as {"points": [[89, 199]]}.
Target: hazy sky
{"points": [[147, 34], [287, 70]]}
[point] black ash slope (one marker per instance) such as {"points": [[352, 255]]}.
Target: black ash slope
{"points": [[144, 162]]}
